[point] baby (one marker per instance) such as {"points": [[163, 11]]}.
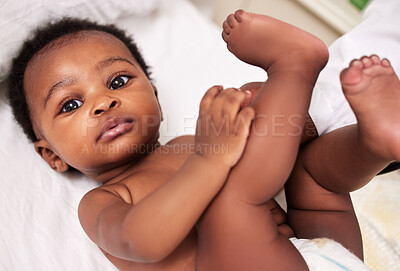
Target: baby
{"points": [[86, 89]]}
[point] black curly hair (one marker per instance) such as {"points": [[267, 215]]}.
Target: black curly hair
{"points": [[43, 38]]}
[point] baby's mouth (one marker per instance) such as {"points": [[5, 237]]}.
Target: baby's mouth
{"points": [[115, 127]]}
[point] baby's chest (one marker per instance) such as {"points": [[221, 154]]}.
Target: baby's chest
{"points": [[133, 189], [137, 186]]}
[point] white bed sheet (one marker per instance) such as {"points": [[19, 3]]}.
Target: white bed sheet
{"points": [[39, 225]]}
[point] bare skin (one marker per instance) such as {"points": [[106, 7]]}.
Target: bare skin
{"points": [[370, 79], [309, 130], [246, 239], [348, 157]]}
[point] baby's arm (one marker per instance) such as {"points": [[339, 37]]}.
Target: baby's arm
{"points": [[153, 228]]}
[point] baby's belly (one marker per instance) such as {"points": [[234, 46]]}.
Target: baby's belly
{"points": [[182, 259]]}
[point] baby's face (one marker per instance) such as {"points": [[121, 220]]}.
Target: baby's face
{"points": [[91, 104]]}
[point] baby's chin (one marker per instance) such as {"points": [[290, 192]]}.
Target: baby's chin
{"points": [[97, 158]]}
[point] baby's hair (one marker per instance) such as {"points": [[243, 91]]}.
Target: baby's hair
{"points": [[42, 39]]}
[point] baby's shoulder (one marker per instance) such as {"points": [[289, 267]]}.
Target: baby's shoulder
{"points": [[93, 204], [107, 194], [181, 146], [185, 139]]}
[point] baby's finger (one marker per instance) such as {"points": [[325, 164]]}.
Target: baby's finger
{"points": [[220, 100], [223, 98], [209, 97], [253, 88], [233, 103]]}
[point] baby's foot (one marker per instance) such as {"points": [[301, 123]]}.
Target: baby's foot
{"points": [[271, 44], [373, 91]]}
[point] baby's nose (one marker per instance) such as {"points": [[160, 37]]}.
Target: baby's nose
{"points": [[105, 104]]}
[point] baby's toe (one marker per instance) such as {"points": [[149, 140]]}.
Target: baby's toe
{"points": [[356, 63], [240, 15], [350, 77], [367, 62], [375, 59], [226, 28], [386, 63], [232, 21]]}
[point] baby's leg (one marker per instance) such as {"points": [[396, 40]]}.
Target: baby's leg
{"points": [[346, 159], [309, 130], [293, 60], [237, 231]]}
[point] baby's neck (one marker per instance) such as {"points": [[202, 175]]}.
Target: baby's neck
{"points": [[119, 171]]}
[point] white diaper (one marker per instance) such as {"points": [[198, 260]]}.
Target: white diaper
{"points": [[327, 255]]}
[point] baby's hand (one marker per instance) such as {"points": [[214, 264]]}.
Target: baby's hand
{"points": [[222, 126]]}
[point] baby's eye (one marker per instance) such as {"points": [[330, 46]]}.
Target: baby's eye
{"points": [[118, 82], [71, 105]]}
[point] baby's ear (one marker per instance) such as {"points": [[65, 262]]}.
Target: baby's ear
{"points": [[43, 148], [156, 93]]}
